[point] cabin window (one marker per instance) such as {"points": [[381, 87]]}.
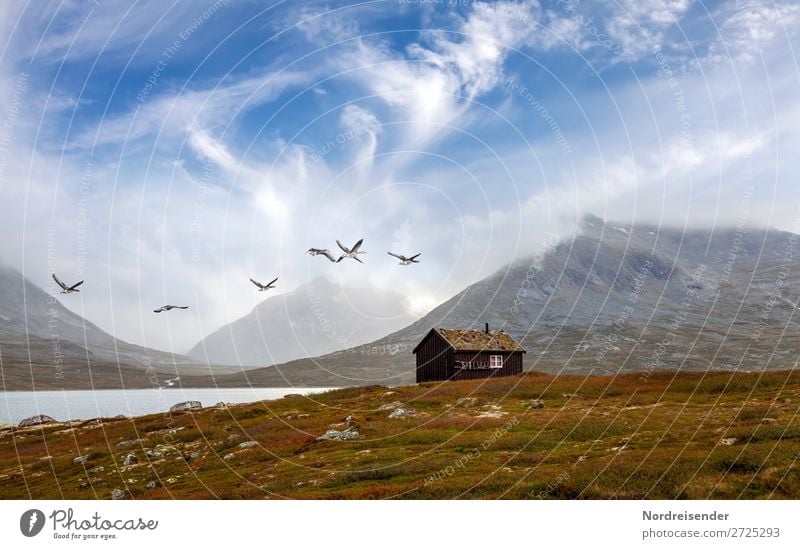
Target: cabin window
{"points": [[495, 361]]}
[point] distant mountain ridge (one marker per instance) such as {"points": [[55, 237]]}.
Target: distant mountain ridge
{"points": [[314, 319], [616, 297], [35, 326]]}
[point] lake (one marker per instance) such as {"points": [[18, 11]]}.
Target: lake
{"points": [[68, 405]]}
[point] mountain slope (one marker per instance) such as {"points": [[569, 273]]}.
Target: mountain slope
{"points": [[316, 318], [615, 298], [36, 328]]}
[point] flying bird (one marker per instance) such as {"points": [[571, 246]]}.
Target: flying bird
{"points": [[406, 260], [351, 252], [67, 289], [168, 308], [264, 287], [319, 251]]}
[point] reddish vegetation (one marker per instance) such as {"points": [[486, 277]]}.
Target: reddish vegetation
{"points": [[668, 435]]}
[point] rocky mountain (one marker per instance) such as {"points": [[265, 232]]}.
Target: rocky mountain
{"points": [[39, 337], [615, 298], [316, 318]]}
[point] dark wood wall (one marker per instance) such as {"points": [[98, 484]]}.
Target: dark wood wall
{"points": [[512, 365], [434, 357], [436, 361]]}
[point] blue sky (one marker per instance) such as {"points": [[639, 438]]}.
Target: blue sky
{"points": [[170, 150]]}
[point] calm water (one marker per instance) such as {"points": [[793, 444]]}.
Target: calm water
{"points": [[65, 405]]}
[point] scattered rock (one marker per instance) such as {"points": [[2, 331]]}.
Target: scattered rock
{"points": [[153, 454], [388, 393], [390, 406], [234, 438], [467, 402], [195, 455], [80, 460], [726, 442], [228, 457], [98, 469], [401, 413], [347, 434], [188, 405], [535, 404], [130, 459], [152, 484], [570, 395], [248, 444], [37, 420], [769, 420], [116, 493]]}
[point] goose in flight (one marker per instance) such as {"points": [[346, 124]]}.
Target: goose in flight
{"points": [[351, 252], [264, 287], [406, 260], [67, 289], [319, 251], [169, 308]]}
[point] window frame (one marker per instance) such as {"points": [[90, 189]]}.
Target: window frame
{"points": [[492, 360]]}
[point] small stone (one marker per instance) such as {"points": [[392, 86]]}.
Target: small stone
{"points": [[116, 493], [80, 460], [98, 469], [36, 420], [726, 442], [390, 406], [347, 434], [401, 413], [248, 444], [466, 402], [535, 404], [769, 420], [152, 484], [195, 455], [130, 459], [229, 457]]}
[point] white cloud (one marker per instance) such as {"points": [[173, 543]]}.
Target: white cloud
{"points": [[748, 28]]}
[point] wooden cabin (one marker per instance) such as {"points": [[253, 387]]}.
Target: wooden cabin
{"points": [[445, 354]]}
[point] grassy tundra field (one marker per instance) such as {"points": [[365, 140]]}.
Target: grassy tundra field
{"points": [[666, 435]]}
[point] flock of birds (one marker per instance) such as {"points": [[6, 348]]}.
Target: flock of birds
{"points": [[351, 253]]}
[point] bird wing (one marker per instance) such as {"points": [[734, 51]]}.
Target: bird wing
{"points": [[273, 282], [63, 286], [413, 257], [158, 310], [257, 283], [329, 255], [179, 307], [342, 246], [358, 245], [76, 285], [354, 257], [400, 257], [340, 258]]}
